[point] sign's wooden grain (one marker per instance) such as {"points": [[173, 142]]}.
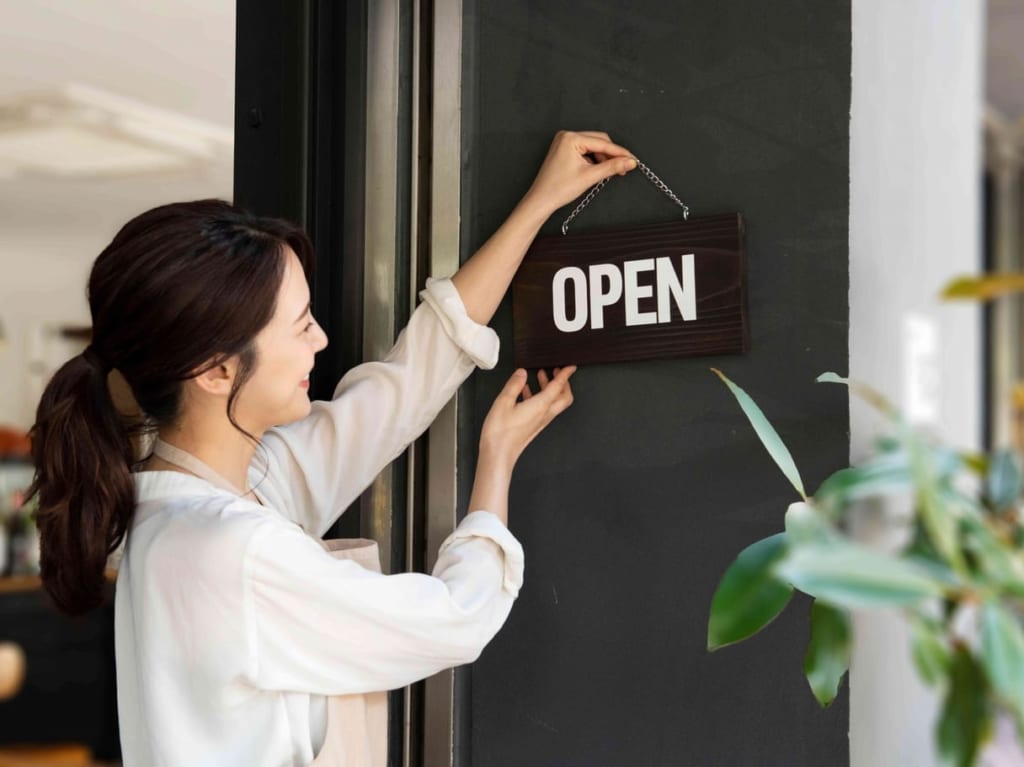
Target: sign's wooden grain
{"points": [[633, 293]]}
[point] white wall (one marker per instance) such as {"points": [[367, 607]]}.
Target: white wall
{"points": [[175, 55], [43, 287], [50, 233], [915, 174]]}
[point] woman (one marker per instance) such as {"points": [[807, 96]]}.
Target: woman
{"points": [[239, 639]]}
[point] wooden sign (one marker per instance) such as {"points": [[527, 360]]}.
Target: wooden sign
{"points": [[633, 293]]}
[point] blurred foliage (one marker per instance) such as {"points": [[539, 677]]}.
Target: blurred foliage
{"points": [[959, 577]]}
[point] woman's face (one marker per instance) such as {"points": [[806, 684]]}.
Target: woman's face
{"points": [[278, 391]]}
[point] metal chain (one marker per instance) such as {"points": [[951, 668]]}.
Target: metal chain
{"points": [[600, 185]]}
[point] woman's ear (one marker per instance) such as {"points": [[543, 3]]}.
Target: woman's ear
{"points": [[218, 379]]}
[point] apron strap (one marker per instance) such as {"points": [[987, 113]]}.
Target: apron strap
{"points": [[185, 460]]}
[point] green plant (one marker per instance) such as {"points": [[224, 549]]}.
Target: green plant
{"points": [[959, 578]]}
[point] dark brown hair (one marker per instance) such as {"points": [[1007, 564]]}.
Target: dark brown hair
{"points": [[180, 289]]}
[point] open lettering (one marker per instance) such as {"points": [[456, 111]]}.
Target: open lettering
{"points": [[603, 285]]}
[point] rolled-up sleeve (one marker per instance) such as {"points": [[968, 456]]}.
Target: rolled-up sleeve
{"points": [[329, 626], [476, 340], [321, 463]]}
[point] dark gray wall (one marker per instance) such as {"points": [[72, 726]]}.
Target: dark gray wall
{"points": [[632, 505]]}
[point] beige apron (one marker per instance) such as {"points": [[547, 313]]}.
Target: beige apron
{"points": [[357, 725]]}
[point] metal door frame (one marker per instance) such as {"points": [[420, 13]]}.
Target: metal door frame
{"points": [[348, 121]]}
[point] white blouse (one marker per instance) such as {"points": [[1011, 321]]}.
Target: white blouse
{"points": [[231, 620]]}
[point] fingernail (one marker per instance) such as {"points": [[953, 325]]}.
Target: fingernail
{"points": [[520, 373], [632, 163]]}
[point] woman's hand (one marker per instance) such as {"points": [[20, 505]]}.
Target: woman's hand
{"points": [[567, 172], [509, 427]]}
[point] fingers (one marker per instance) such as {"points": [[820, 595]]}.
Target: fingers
{"points": [[608, 168], [543, 378], [560, 390], [563, 375], [595, 135], [599, 156], [510, 391], [554, 389], [611, 158], [597, 143], [584, 143], [517, 385], [564, 400]]}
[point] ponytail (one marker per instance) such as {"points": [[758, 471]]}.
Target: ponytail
{"points": [[82, 454]]}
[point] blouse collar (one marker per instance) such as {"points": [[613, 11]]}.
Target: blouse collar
{"points": [[162, 485]]}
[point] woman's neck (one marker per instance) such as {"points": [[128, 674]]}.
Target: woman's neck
{"points": [[219, 445]]}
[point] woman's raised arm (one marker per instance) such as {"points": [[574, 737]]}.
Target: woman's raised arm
{"points": [[565, 174], [322, 462]]}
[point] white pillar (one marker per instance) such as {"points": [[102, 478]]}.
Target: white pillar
{"points": [[915, 182]]}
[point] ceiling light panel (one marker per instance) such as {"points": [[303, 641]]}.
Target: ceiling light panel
{"points": [[79, 131]]}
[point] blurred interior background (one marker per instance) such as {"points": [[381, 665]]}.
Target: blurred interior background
{"points": [[106, 110], [1003, 219]]}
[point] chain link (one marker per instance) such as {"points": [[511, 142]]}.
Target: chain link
{"points": [[600, 185]]}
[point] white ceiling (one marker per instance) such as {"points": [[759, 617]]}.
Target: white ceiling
{"points": [[176, 54], [172, 54], [179, 55]]}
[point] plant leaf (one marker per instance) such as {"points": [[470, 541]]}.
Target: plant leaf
{"points": [[865, 392], [937, 514], [976, 462], [853, 576], [929, 650], [766, 433], [828, 654], [1003, 482], [832, 378], [805, 523], [884, 474], [1002, 654], [966, 718], [997, 562], [749, 596], [983, 287]]}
